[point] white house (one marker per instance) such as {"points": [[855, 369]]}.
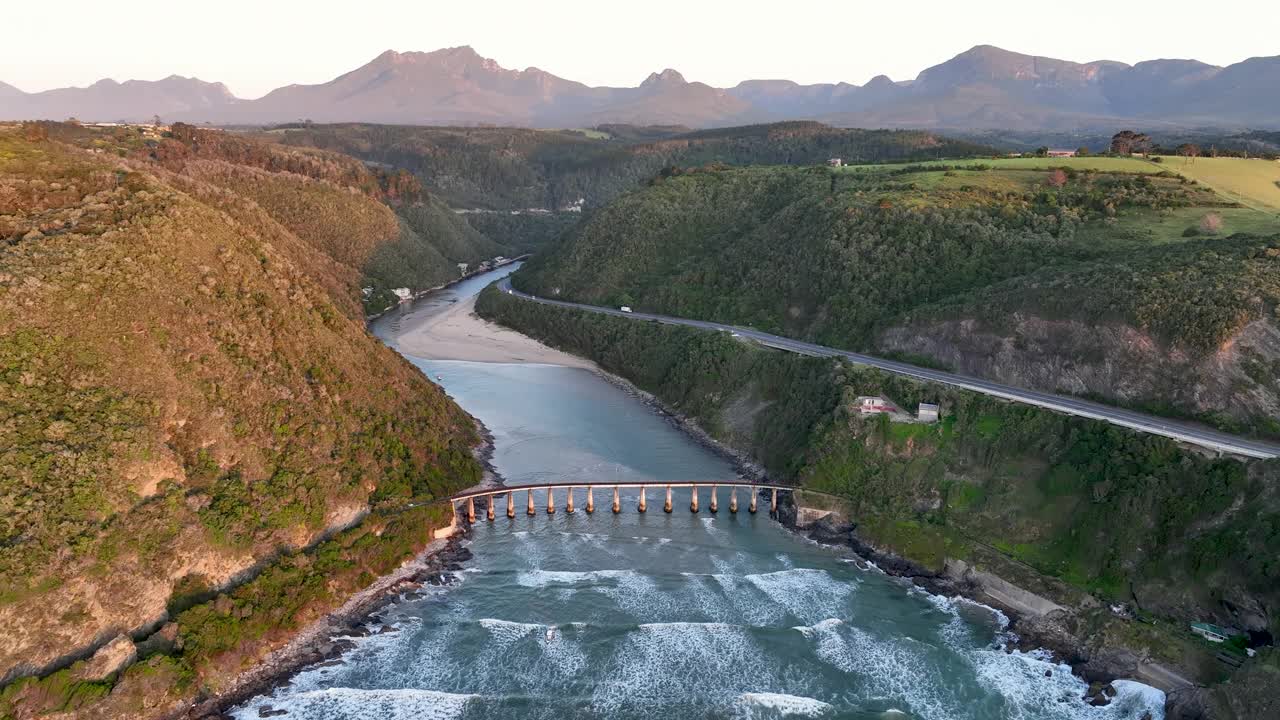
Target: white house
{"points": [[403, 293], [928, 412]]}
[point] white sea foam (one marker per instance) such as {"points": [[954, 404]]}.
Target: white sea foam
{"points": [[677, 660], [354, 703], [779, 705], [505, 632], [543, 578], [806, 593]]}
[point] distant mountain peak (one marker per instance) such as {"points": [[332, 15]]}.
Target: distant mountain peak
{"points": [[983, 87], [666, 77]]}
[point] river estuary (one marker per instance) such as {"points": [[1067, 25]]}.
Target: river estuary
{"points": [[662, 616]]}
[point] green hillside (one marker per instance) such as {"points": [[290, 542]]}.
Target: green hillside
{"points": [[1075, 510], [188, 397], [516, 169], [392, 233], [882, 259]]}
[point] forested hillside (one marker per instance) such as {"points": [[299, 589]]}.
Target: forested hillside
{"points": [[1072, 509], [515, 169], [188, 397], [1108, 277], [385, 226]]}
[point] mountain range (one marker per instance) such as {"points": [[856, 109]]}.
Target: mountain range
{"points": [[983, 88]]}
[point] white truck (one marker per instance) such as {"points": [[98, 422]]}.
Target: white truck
{"points": [[625, 308]]}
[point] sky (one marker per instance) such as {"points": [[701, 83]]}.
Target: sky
{"points": [[256, 45]]}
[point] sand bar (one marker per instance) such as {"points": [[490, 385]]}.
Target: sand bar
{"points": [[459, 334]]}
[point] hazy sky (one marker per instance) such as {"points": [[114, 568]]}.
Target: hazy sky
{"points": [[256, 45]]}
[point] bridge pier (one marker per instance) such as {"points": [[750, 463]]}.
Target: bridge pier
{"points": [[511, 504], [712, 507], [569, 506], [617, 504], [693, 499], [488, 513], [733, 499], [591, 505], [773, 502], [754, 494], [471, 510], [641, 506], [551, 501], [532, 510], [666, 507]]}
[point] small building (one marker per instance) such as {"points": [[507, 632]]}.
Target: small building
{"points": [[836, 162], [928, 412], [403, 293], [1062, 153], [1211, 632], [874, 404], [462, 268]]}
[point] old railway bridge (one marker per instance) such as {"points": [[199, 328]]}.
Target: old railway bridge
{"points": [[468, 499]]}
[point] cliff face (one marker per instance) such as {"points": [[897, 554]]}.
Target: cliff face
{"points": [[1235, 386], [186, 390]]}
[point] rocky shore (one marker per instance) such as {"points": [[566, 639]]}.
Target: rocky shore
{"points": [[328, 639]]}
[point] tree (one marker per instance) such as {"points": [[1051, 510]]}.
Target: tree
{"points": [[1082, 151], [1042, 151], [1211, 224], [1057, 178], [155, 121], [1190, 151], [1127, 142]]}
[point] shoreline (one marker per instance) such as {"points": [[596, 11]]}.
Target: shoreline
{"points": [[329, 638], [458, 333]]}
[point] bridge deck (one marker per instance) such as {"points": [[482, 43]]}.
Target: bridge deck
{"points": [[489, 492]]}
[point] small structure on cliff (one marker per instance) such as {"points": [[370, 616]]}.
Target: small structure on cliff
{"points": [[927, 413], [874, 405], [1211, 632]]}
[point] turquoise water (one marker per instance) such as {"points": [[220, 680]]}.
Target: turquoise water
{"points": [[664, 616]]}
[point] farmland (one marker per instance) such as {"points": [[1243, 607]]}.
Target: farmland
{"points": [[1251, 182]]}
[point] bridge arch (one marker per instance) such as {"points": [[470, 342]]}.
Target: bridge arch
{"points": [[466, 501]]}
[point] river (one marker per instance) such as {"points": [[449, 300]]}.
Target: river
{"points": [[662, 616]]}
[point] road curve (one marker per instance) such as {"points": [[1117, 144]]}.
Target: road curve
{"points": [[1183, 432]]}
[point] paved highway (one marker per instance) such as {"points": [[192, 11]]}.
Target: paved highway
{"points": [[1183, 432]]}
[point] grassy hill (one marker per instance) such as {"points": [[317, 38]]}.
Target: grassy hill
{"points": [[1252, 182], [188, 397], [1078, 280], [389, 231]]}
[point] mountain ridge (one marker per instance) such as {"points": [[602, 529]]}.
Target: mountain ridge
{"points": [[984, 87]]}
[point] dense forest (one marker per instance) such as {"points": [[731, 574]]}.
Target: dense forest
{"points": [[844, 256], [188, 398], [517, 169], [1091, 508]]}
